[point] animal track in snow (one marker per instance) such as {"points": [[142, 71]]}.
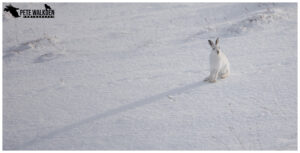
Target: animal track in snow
{"points": [[46, 45]]}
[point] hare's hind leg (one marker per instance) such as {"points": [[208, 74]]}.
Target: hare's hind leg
{"points": [[224, 74]]}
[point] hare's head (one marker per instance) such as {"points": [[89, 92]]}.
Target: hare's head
{"points": [[215, 47]]}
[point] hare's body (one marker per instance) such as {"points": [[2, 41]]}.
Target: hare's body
{"points": [[219, 64]]}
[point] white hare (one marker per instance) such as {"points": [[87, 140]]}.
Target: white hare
{"points": [[219, 65]]}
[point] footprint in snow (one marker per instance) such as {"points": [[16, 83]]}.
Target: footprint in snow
{"points": [[47, 57], [171, 98]]}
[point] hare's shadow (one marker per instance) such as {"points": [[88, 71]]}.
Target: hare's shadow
{"points": [[113, 112]]}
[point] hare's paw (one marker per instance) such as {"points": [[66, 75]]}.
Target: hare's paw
{"points": [[209, 79], [223, 76], [212, 81]]}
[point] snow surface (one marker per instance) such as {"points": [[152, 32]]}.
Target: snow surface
{"points": [[129, 76]]}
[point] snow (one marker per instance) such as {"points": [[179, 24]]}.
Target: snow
{"points": [[129, 76]]}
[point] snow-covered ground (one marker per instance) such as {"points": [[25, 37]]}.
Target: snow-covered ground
{"points": [[129, 76]]}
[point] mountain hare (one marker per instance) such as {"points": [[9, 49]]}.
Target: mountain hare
{"points": [[219, 65]]}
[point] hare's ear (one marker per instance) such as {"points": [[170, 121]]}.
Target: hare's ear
{"points": [[211, 43], [217, 41]]}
